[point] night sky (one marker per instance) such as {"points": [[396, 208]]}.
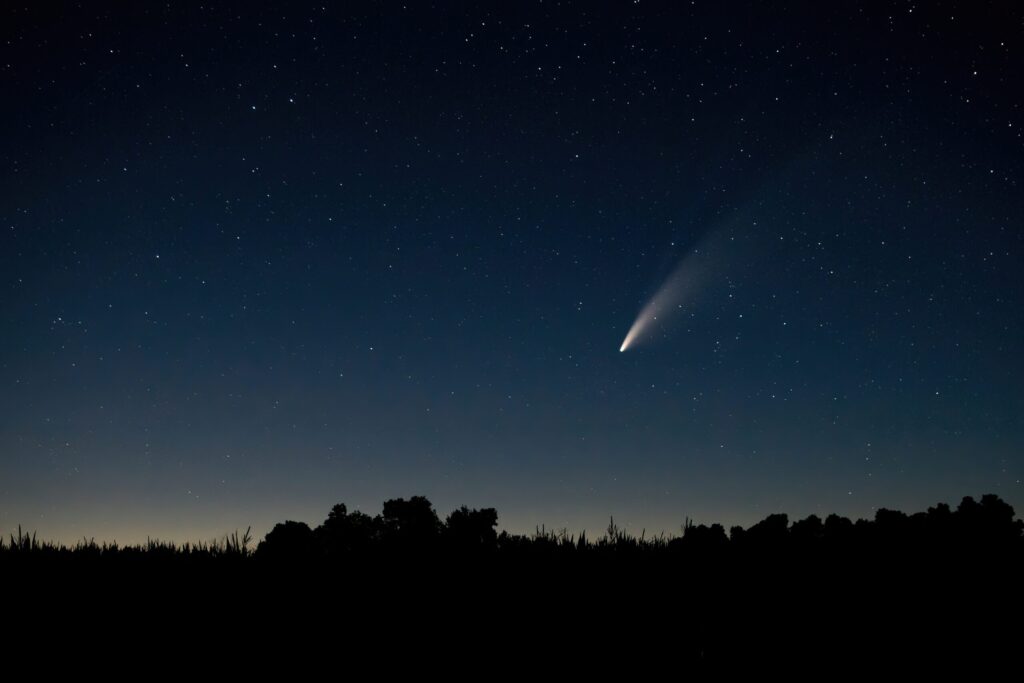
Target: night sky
{"points": [[259, 260]]}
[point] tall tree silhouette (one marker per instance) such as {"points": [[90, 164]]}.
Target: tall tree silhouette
{"points": [[410, 524], [346, 533]]}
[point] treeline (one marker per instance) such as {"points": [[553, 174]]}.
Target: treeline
{"points": [[413, 528]]}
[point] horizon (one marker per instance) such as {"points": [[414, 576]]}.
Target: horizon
{"points": [[595, 532]]}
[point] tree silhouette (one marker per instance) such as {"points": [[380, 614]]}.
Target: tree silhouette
{"points": [[702, 538], [808, 531], [769, 532], [837, 530], [990, 521], [346, 533], [288, 541], [469, 530], [410, 524]]}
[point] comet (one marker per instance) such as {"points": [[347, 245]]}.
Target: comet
{"points": [[675, 293]]}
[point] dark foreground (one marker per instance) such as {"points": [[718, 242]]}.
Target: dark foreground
{"points": [[928, 590]]}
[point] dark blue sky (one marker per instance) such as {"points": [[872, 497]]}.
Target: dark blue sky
{"points": [[257, 261]]}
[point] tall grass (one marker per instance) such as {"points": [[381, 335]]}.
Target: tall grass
{"points": [[235, 544]]}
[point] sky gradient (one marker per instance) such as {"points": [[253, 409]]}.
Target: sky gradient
{"points": [[258, 261]]}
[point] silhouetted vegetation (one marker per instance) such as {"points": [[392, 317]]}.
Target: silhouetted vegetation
{"points": [[412, 527], [937, 583]]}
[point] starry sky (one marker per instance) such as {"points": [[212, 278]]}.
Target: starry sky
{"points": [[258, 260]]}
